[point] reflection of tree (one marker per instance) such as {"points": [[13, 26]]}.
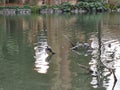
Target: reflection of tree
{"points": [[103, 61], [108, 59], [41, 65], [80, 56], [16, 55], [43, 52], [82, 28]]}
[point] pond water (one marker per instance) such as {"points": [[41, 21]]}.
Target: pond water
{"points": [[60, 52]]}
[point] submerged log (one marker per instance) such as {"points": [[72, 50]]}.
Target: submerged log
{"points": [[85, 68]]}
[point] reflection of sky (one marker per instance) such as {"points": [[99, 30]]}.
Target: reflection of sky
{"points": [[117, 65], [41, 65], [108, 62], [113, 62], [93, 63]]}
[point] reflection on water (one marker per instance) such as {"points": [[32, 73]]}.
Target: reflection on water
{"points": [[27, 61], [94, 61], [110, 57], [105, 61], [43, 53], [41, 65]]}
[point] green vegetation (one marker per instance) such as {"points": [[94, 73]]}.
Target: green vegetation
{"points": [[65, 7], [112, 6], [91, 6], [86, 5], [34, 9], [15, 7]]}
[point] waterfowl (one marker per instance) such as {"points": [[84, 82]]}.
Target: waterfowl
{"points": [[49, 49]]}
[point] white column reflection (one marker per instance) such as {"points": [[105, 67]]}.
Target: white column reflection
{"points": [[43, 53], [94, 61], [105, 64], [41, 65], [110, 57]]}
